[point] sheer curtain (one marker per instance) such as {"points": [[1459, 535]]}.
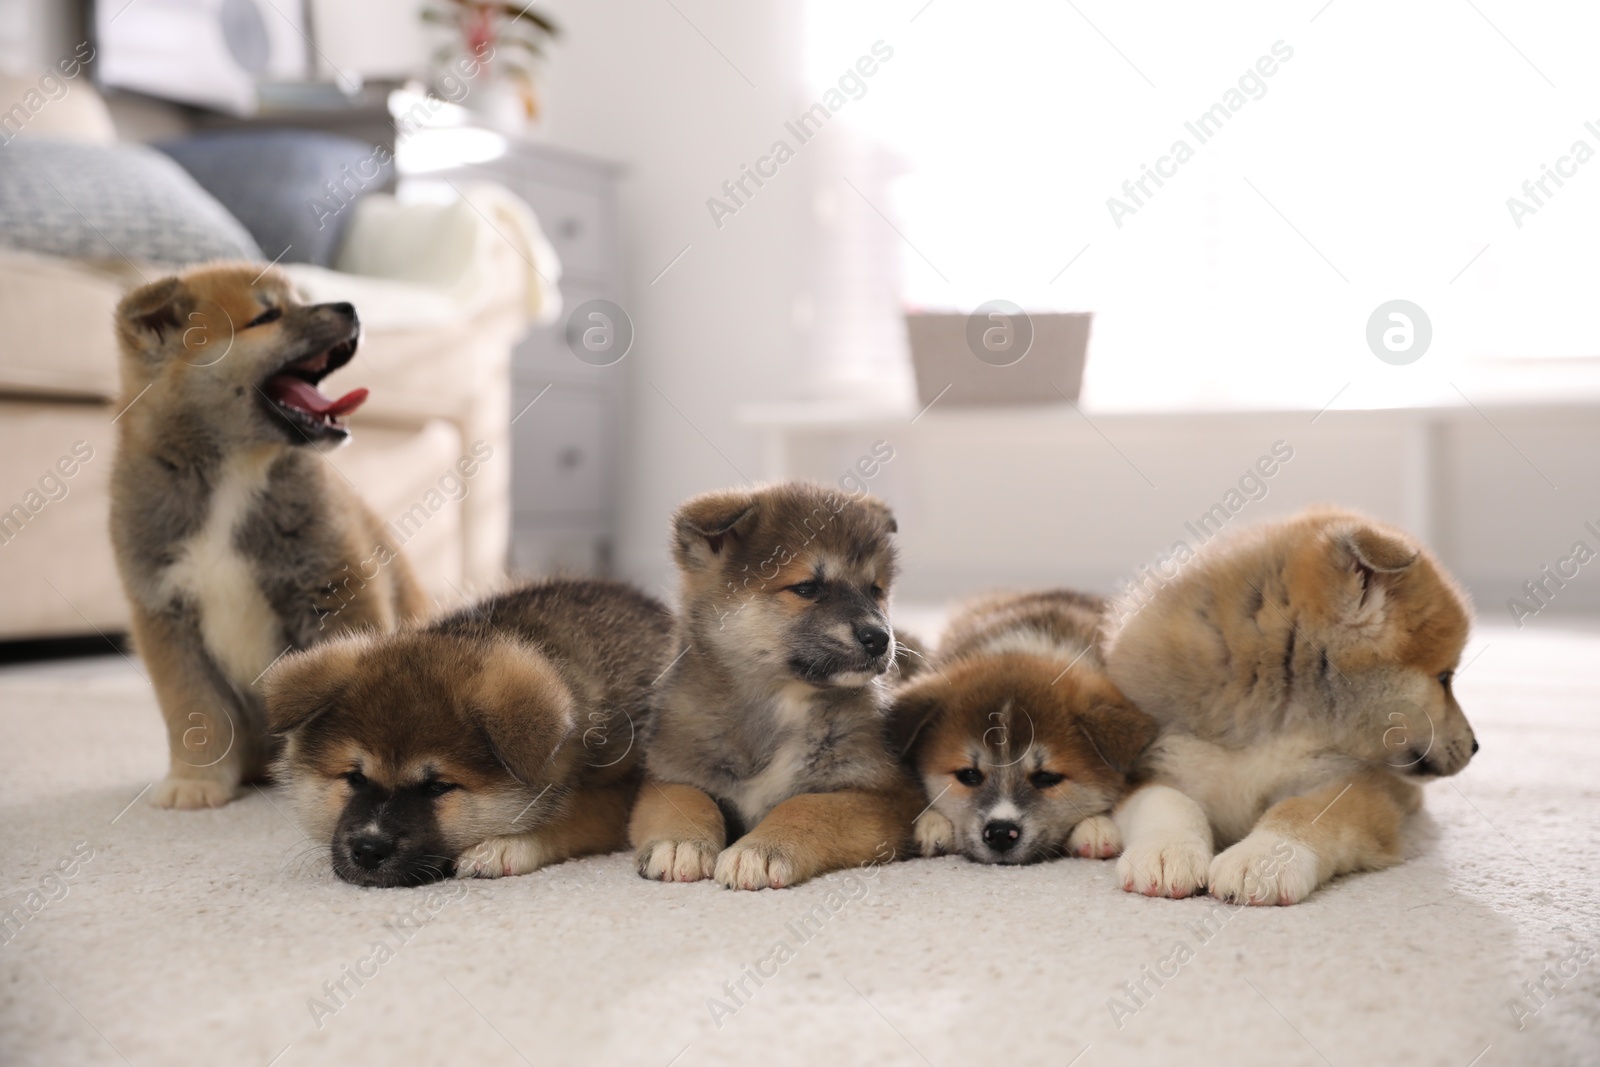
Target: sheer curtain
{"points": [[1335, 157]]}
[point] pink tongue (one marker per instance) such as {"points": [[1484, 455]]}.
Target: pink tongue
{"points": [[298, 393]]}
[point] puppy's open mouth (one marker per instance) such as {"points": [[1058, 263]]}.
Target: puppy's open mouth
{"points": [[291, 393]]}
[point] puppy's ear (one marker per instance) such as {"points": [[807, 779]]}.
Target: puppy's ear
{"points": [[302, 686], [704, 525], [1373, 557], [1119, 732], [913, 708], [879, 508], [523, 708], [151, 314]]}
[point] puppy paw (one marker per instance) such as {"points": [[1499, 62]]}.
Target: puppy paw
{"points": [[1096, 837], [935, 834], [1264, 868], [502, 857], [192, 793], [1173, 868], [755, 866], [677, 861]]}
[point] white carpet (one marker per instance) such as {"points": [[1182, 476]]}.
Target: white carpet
{"points": [[199, 938]]}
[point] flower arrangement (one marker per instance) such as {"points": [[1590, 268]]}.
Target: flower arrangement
{"points": [[508, 39]]}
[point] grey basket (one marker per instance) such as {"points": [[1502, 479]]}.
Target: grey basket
{"points": [[998, 357]]}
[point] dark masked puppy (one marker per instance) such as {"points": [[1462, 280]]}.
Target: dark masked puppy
{"points": [[768, 761], [494, 742], [234, 539], [1021, 741], [1301, 673]]}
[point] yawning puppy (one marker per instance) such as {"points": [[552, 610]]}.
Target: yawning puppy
{"points": [[235, 540], [1022, 742], [768, 760], [1301, 675], [495, 741]]}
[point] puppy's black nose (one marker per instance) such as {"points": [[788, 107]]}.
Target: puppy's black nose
{"points": [[348, 310], [1000, 836], [875, 639], [1474, 746], [370, 850]]}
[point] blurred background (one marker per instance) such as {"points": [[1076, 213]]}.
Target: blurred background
{"points": [[1069, 285]]}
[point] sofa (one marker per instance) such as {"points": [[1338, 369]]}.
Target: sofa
{"points": [[444, 291]]}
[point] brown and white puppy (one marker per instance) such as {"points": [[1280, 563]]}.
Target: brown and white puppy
{"points": [[235, 540], [1021, 741], [768, 759], [493, 742], [1301, 674]]}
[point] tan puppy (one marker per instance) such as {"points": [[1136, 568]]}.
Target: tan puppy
{"points": [[1301, 676], [1022, 742], [236, 542], [494, 742], [768, 761]]}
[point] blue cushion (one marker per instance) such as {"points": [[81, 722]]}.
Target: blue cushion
{"points": [[291, 188], [89, 201]]}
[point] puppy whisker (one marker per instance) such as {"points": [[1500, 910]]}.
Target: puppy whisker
{"points": [[298, 859]]}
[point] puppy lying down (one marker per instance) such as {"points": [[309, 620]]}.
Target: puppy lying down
{"points": [[1301, 673], [768, 762], [492, 742], [1020, 740]]}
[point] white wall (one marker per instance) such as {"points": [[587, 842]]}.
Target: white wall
{"points": [[633, 81]]}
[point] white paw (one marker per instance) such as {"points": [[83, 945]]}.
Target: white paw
{"points": [[935, 834], [502, 857], [1174, 868], [743, 866], [1096, 837], [1264, 868], [192, 793], [677, 861]]}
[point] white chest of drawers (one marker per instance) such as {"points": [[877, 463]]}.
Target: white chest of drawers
{"points": [[567, 419]]}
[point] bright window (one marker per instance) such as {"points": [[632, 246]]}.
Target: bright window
{"points": [[1375, 161]]}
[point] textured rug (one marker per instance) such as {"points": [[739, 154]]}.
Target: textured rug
{"points": [[147, 937]]}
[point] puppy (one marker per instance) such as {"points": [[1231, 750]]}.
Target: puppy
{"points": [[493, 742], [1301, 675], [768, 760], [236, 542], [1021, 741]]}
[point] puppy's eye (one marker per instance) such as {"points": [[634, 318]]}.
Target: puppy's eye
{"points": [[356, 779], [1445, 677], [877, 591], [437, 788], [806, 590], [269, 315], [969, 776], [1046, 779]]}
